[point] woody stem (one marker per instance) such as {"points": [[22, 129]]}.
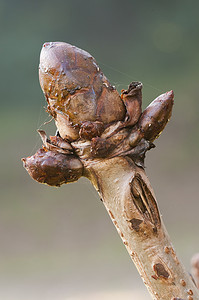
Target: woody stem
{"points": [[130, 202]]}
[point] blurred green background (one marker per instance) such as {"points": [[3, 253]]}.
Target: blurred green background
{"points": [[60, 243]]}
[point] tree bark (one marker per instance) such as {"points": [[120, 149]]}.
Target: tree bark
{"points": [[130, 202]]}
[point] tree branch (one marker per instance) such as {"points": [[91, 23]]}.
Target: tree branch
{"points": [[105, 136], [136, 218]]}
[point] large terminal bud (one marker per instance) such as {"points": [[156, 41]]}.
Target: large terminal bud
{"points": [[76, 89]]}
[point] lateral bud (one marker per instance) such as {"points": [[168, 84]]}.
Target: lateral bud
{"points": [[55, 163], [155, 117], [53, 168]]}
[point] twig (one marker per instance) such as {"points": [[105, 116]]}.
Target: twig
{"points": [[105, 137]]}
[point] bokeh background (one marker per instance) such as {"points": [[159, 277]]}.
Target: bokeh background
{"points": [[59, 243]]}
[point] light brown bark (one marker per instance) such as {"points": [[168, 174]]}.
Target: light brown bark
{"points": [[140, 227]]}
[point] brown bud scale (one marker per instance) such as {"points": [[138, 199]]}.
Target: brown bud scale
{"points": [[90, 129], [133, 102]]}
